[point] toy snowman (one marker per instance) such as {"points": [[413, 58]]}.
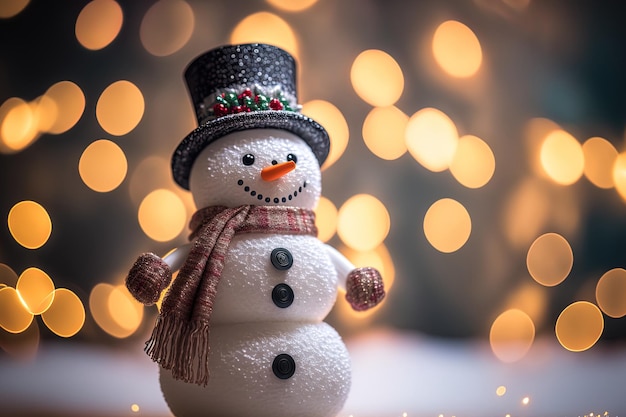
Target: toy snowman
{"points": [[240, 331]]}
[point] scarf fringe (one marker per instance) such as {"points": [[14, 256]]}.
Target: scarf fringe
{"points": [[181, 347]]}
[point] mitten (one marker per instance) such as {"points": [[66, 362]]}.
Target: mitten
{"points": [[148, 277], [364, 288]]}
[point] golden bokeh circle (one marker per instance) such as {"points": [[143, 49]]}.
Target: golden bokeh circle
{"points": [[377, 78], [29, 224], [456, 49], [325, 219], [511, 336], [600, 155], [167, 27], [265, 27], [611, 293], [383, 132], [36, 290], [99, 23], [329, 116], [66, 315], [431, 138], [562, 157], [14, 316], [120, 108], [579, 326], [103, 166], [550, 259], [473, 163], [162, 215], [363, 222], [447, 225]]}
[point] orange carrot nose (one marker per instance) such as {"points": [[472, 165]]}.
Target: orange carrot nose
{"points": [[274, 172]]}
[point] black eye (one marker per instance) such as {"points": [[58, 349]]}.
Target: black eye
{"points": [[248, 159], [292, 157]]}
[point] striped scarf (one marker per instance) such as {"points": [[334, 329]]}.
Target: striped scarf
{"points": [[180, 339]]}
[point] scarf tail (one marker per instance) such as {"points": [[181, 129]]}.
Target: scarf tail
{"points": [[181, 347]]}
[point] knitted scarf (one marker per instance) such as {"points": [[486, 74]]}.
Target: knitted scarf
{"points": [[180, 339]]}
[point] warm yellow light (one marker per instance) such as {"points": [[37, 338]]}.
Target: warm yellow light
{"points": [[124, 309], [264, 27], [526, 400], [363, 222], [611, 293], [120, 108], [45, 112], [511, 336], [431, 138], [99, 306], [14, 317], [562, 157], [456, 49], [29, 224], [10, 8], [18, 125], [99, 23], [8, 277], [447, 225], [383, 132], [70, 105], [292, 5], [325, 219], [579, 326], [66, 315], [619, 174], [501, 390], [531, 299], [102, 166], [134, 408], [536, 131], [162, 215], [36, 290], [600, 155], [167, 27], [377, 78], [332, 119], [550, 259], [473, 163]]}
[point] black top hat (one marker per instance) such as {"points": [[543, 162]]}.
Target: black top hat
{"points": [[239, 87]]}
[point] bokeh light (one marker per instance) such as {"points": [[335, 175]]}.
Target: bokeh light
{"points": [[36, 290], [124, 309], [66, 315], [29, 224], [579, 326], [14, 317], [363, 222], [292, 5], [325, 219], [536, 130], [264, 27], [531, 299], [550, 259], [329, 116], [10, 8], [456, 49], [120, 108], [102, 166], [501, 390], [473, 163], [562, 157], [383, 132], [511, 336], [166, 27], [162, 215], [18, 125], [447, 225], [619, 174], [599, 156], [377, 78], [611, 293], [432, 139], [70, 105], [99, 23]]}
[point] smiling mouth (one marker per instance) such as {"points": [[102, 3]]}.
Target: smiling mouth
{"points": [[267, 199]]}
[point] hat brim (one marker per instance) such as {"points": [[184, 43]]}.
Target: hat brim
{"points": [[190, 147]]}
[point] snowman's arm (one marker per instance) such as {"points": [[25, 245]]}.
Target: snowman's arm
{"points": [[177, 257], [342, 265]]}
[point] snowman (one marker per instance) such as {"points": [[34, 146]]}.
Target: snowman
{"points": [[240, 331]]}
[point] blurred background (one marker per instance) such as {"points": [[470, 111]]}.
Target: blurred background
{"points": [[477, 159]]}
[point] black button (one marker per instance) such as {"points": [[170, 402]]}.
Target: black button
{"points": [[282, 295], [284, 366], [281, 259]]}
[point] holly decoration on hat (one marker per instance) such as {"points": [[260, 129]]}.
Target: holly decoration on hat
{"points": [[246, 101]]}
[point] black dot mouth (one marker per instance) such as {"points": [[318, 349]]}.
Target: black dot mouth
{"points": [[276, 200]]}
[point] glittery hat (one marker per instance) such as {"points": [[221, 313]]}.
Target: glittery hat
{"points": [[239, 87]]}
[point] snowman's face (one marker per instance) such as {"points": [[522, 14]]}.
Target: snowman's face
{"points": [[257, 167]]}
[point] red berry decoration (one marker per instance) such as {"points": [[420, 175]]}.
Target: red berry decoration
{"points": [[245, 93], [275, 104], [236, 109], [220, 110]]}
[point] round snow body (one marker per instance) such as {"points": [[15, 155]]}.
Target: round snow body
{"points": [[267, 370]]}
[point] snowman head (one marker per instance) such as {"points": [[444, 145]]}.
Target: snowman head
{"points": [[256, 167]]}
